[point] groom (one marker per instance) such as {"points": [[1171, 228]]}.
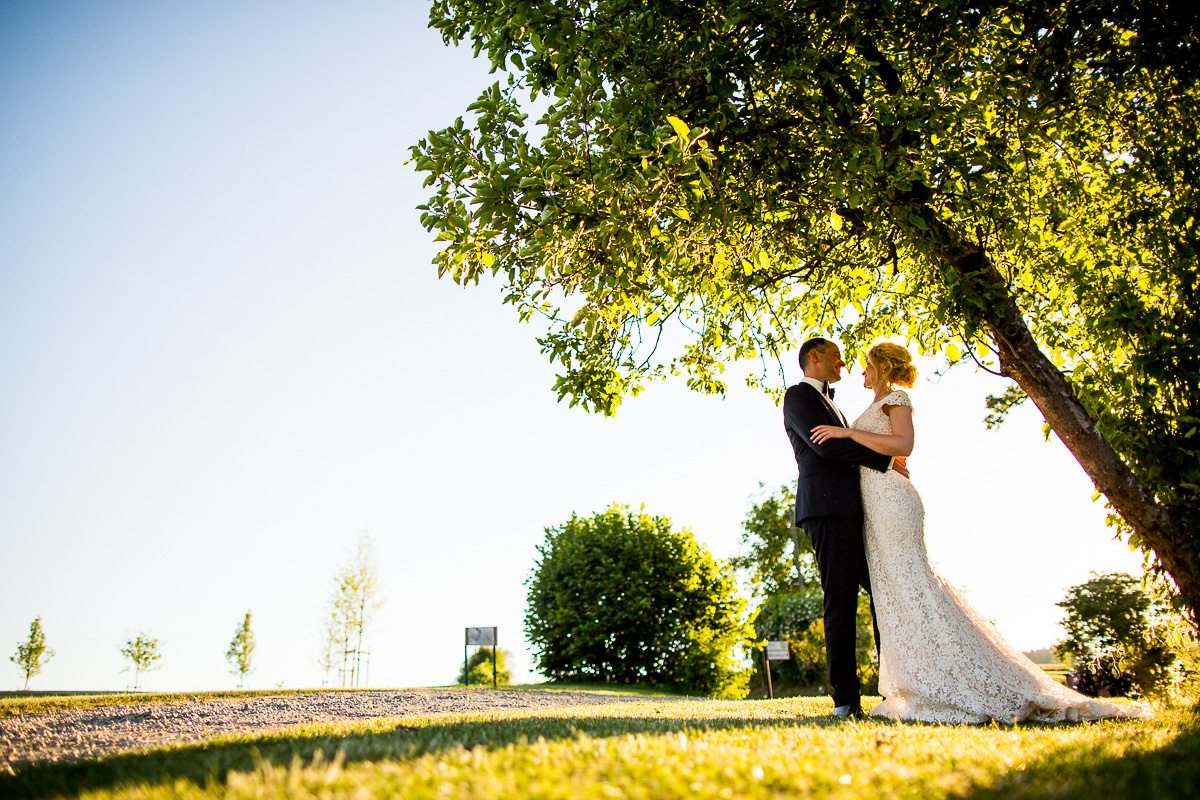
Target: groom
{"points": [[829, 509]]}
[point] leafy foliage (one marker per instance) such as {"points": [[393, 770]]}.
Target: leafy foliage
{"points": [[479, 668], [776, 556], [783, 573], [32, 654], [240, 654], [142, 653], [352, 605], [621, 597], [1109, 643], [1010, 183]]}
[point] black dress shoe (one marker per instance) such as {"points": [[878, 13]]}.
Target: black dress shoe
{"points": [[854, 711]]}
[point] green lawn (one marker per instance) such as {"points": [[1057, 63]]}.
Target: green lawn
{"points": [[655, 749]]}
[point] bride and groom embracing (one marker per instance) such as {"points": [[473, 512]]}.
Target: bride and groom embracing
{"points": [[939, 659]]}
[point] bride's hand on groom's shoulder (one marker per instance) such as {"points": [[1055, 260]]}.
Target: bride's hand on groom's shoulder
{"points": [[823, 433]]}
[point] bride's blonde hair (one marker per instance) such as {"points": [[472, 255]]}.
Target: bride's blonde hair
{"points": [[896, 363]]}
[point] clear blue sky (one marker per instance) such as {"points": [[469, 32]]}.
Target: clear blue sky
{"points": [[224, 353]]}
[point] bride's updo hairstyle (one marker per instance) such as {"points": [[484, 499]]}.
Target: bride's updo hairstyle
{"points": [[896, 363]]}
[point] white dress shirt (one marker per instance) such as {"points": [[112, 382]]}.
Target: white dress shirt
{"points": [[820, 387]]}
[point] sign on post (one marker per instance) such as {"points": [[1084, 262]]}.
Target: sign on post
{"points": [[775, 651], [479, 637], [778, 651]]}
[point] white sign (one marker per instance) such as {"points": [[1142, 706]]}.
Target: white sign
{"points": [[778, 651], [481, 637]]}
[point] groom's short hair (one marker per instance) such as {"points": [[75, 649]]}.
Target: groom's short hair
{"points": [[816, 343]]}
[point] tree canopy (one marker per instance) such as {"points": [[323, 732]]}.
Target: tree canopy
{"points": [[621, 597], [775, 555], [1008, 183]]}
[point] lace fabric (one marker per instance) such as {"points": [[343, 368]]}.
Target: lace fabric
{"points": [[940, 660]]}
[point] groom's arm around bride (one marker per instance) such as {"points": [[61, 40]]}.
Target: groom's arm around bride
{"points": [[829, 509]]}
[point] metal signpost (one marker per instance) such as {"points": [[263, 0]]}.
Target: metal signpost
{"points": [[776, 651], [480, 637]]}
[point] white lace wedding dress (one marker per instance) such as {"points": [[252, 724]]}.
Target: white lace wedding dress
{"points": [[940, 660]]}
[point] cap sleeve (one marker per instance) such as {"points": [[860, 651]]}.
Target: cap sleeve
{"points": [[898, 398]]}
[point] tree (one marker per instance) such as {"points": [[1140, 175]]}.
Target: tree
{"points": [[776, 555], [621, 597], [32, 654], [141, 653], [335, 637], [351, 607], [1108, 624], [479, 668], [241, 651], [1013, 184], [782, 572]]}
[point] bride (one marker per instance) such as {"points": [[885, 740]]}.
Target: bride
{"points": [[940, 660]]}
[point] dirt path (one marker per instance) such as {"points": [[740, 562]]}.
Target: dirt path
{"points": [[96, 732]]}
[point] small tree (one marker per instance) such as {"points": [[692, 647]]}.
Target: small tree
{"points": [[479, 668], [351, 607], [32, 654], [241, 651], [621, 597], [1109, 646], [142, 653]]}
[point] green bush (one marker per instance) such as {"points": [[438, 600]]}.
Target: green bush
{"points": [[479, 667], [796, 617], [781, 569], [621, 597], [1109, 631]]}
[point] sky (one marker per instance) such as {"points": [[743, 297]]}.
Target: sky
{"points": [[225, 354]]}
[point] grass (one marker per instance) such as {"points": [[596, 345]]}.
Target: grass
{"points": [[721, 749]]}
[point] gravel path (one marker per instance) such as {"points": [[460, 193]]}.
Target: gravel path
{"points": [[96, 732]]}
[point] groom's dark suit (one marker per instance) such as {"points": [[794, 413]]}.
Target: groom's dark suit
{"points": [[829, 509]]}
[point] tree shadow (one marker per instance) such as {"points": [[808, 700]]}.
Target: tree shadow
{"points": [[1088, 770], [1092, 771], [206, 762]]}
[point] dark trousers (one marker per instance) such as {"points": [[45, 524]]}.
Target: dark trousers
{"points": [[842, 560]]}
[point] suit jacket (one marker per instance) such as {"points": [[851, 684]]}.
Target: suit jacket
{"points": [[828, 483]]}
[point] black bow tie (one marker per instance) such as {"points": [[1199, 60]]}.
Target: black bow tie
{"points": [[827, 390]]}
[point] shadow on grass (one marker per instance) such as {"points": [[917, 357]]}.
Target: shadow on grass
{"points": [[1093, 770], [1089, 770], [212, 762]]}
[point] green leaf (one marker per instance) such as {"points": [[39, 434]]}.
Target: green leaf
{"points": [[680, 126]]}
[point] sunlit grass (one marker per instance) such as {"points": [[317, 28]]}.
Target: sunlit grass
{"points": [[751, 749]]}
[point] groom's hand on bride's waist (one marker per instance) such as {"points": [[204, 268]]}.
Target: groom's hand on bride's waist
{"points": [[901, 465]]}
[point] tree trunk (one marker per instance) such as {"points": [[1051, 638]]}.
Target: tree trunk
{"points": [[1024, 362]]}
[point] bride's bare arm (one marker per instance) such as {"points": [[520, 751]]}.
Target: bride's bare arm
{"points": [[898, 443]]}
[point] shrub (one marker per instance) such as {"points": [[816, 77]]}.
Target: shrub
{"points": [[1108, 625], [479, 667], [621, 597], [796, 617]]}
